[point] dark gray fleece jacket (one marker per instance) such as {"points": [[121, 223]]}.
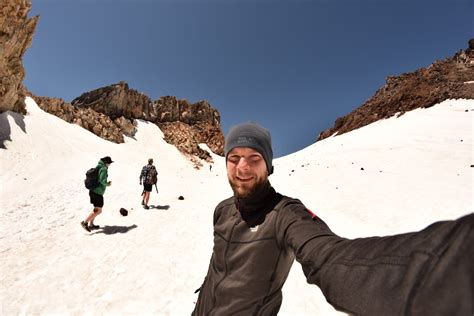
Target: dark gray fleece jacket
{"points": [[256, 243]]}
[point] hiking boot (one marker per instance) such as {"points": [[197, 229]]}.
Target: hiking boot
{"points": [[92, 226], [146, 207], [84, 225]]}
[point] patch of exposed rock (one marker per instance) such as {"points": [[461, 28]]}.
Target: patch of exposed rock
{"points": [[183, 136], [95, 122], [16, 34], [452, 78], [201, 120], [117, 100], [184, 124]]}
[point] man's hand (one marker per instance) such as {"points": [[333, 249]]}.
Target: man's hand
{"points": [[109, 183]]}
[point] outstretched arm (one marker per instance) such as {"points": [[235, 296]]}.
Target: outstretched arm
{"points": [[427, 272]]}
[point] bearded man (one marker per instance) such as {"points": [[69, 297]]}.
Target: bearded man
{"points": [[258, 233]]}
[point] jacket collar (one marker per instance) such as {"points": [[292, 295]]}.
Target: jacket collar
{"points": [[254, 209]]}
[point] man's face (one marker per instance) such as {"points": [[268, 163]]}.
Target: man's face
{"points": [[246, 171]]}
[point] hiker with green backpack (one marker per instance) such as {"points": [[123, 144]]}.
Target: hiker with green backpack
{"points": [[149, 177], [96, 182]]}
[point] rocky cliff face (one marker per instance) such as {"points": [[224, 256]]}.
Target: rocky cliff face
{"points": [[16, 33], [184, 125], [117, 100], [95, 122], [200, 120], [452, 78]]}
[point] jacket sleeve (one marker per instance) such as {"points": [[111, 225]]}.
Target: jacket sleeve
{"points": [[103, 174], [376, 275]]}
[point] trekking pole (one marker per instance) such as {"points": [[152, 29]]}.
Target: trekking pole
{"points": [[156, 188]]}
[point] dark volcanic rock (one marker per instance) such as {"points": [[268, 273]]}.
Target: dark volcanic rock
{"points": [[16, 33], [448, 79]]}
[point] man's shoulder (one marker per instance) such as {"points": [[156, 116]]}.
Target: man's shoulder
{"points": [[289, 205], [225, 203], [294, 206], [148, 167], [102, 169], [222, 207], [287, 202]]}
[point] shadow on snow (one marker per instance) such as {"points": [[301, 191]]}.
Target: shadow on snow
{"points": [[110, 230]]}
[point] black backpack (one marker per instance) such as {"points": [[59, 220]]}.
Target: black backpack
{"points": [[92, 178]]}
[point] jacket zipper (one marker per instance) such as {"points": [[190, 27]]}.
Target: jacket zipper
{"points": [[225, 264]]}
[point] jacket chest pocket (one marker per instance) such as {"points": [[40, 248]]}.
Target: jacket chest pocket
{"points": [[257, 259], [242, 250]]}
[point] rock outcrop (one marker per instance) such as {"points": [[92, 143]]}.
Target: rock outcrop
{"points": [[200, 119], [16, 34], [452, 78], [117, 100], [95, 122], [184, 125]]}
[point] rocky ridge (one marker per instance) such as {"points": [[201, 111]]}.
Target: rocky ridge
{"points": [[452, 78], [111, 112], [184, 124], [16, 34], [95, 122]]}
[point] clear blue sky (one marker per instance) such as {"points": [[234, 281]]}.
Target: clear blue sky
{"points": [[294, 66]]}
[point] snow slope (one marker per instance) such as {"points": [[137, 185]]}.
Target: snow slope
{"points": [[416, 171]]}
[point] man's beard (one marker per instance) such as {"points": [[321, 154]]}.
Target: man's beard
{"points": [[251, 191]]}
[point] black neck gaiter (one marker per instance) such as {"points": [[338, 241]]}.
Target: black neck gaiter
{"points": [[254, 209]]}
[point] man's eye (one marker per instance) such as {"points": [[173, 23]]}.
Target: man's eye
{"points": [[255, 158], [234, 159]]}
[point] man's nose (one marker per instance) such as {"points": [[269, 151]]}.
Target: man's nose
{"points": [[242, 163]]}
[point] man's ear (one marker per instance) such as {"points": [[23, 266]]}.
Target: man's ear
{"points": [[271, 171]]}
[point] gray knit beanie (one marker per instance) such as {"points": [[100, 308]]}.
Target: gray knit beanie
{"points": [[253, 136]]}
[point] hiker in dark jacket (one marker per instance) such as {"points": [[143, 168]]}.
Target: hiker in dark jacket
{"points": [[97, 195], [149, 175], [258, 233]]}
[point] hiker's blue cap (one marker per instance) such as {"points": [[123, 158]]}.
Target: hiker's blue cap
{"points": [[107, 159], [253, 136]]}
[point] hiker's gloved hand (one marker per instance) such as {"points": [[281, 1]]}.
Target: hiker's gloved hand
{"points": [[140, 183]]}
